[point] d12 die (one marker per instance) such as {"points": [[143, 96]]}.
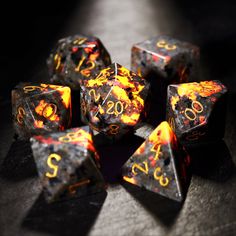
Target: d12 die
{"points": [[114, 102], [196, 111], [40, 108], [160, 164], [174, 60], [67, 164], [75, 59]]}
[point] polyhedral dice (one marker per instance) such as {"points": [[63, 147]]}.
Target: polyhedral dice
{"points": [[196, 111], [175, 61], [67, 164], [75, 59], [113, 103], [41, 108], [160, 165]]}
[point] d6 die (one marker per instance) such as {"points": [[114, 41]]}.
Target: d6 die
{"points": [[175, 61], [196, 111], [75, 59], [40, 108], [67, 164], [160, 165], [114, 102]]}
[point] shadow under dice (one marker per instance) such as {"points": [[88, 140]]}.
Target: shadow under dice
{"points": [[160, 165], [41, 108], [172, 59], [75, 59], [67, 164], [114, 102], [196, 111]]}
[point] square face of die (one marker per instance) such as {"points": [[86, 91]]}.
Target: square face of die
{"points": [[168, 57], [116, 97], [40, 108], [65, 163]]}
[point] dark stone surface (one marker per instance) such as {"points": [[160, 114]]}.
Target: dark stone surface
{"points": [[210, 206]]}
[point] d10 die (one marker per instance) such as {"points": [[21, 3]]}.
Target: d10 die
{"points": [[160, 165], [114, 102], [196, 111], [75, 59], [67, 164], [174, 60], [41, 108]]}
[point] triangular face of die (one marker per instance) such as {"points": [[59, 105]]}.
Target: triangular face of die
{"points": [[160, 165]]}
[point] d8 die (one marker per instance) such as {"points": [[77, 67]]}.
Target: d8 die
{"points": [[40, 108], [67, 164], [75, 59], [160, 165], [196, 111], [114, 102], [173, 60]]}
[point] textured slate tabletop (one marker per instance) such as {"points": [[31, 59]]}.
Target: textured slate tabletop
{"points": [[210, 205]]}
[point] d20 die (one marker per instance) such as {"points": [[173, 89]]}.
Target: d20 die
{"points": [[41, 108], [75, 59], [67, 164], [196, 111], [172, 59], [160, 165], [113, 103]]}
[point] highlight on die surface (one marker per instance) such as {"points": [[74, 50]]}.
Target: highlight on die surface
{"points": [[75, 59], [174, 60], [113, 103], [67, 164], [196, 111], [160, 165], [40, 108]]}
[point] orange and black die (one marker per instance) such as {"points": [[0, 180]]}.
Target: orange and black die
{"points": [[75, 59], [67, 164], [196, 111], [114, 102], [160, 164], [40, 108]]}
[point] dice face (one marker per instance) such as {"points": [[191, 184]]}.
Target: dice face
{"points": [[196, 111], [41, 108], [175, 61], [114, 102], [160, 165], [75, 59], [67, 164]]}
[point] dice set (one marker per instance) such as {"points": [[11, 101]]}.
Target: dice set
{"points": [[114, 102]]}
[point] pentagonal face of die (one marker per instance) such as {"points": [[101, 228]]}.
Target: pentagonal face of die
{"points": [[37, 109], [114, 102], [190, 107], [75, 59], [65, 164], [159, 164], [170, 58]]}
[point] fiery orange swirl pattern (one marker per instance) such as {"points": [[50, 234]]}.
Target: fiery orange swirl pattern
{"points": [[41, 108], [190, 105], [75, 59], [115, 97], [159, 164]]}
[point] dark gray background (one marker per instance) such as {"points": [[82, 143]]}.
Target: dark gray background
{"points": [[210, 206]]}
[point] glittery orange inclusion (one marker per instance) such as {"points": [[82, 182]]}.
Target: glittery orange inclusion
{"points": [[63, 90], [44, 109], [162, 135], [123, 81], [204, 89], [130, 180], [38, 124]]}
